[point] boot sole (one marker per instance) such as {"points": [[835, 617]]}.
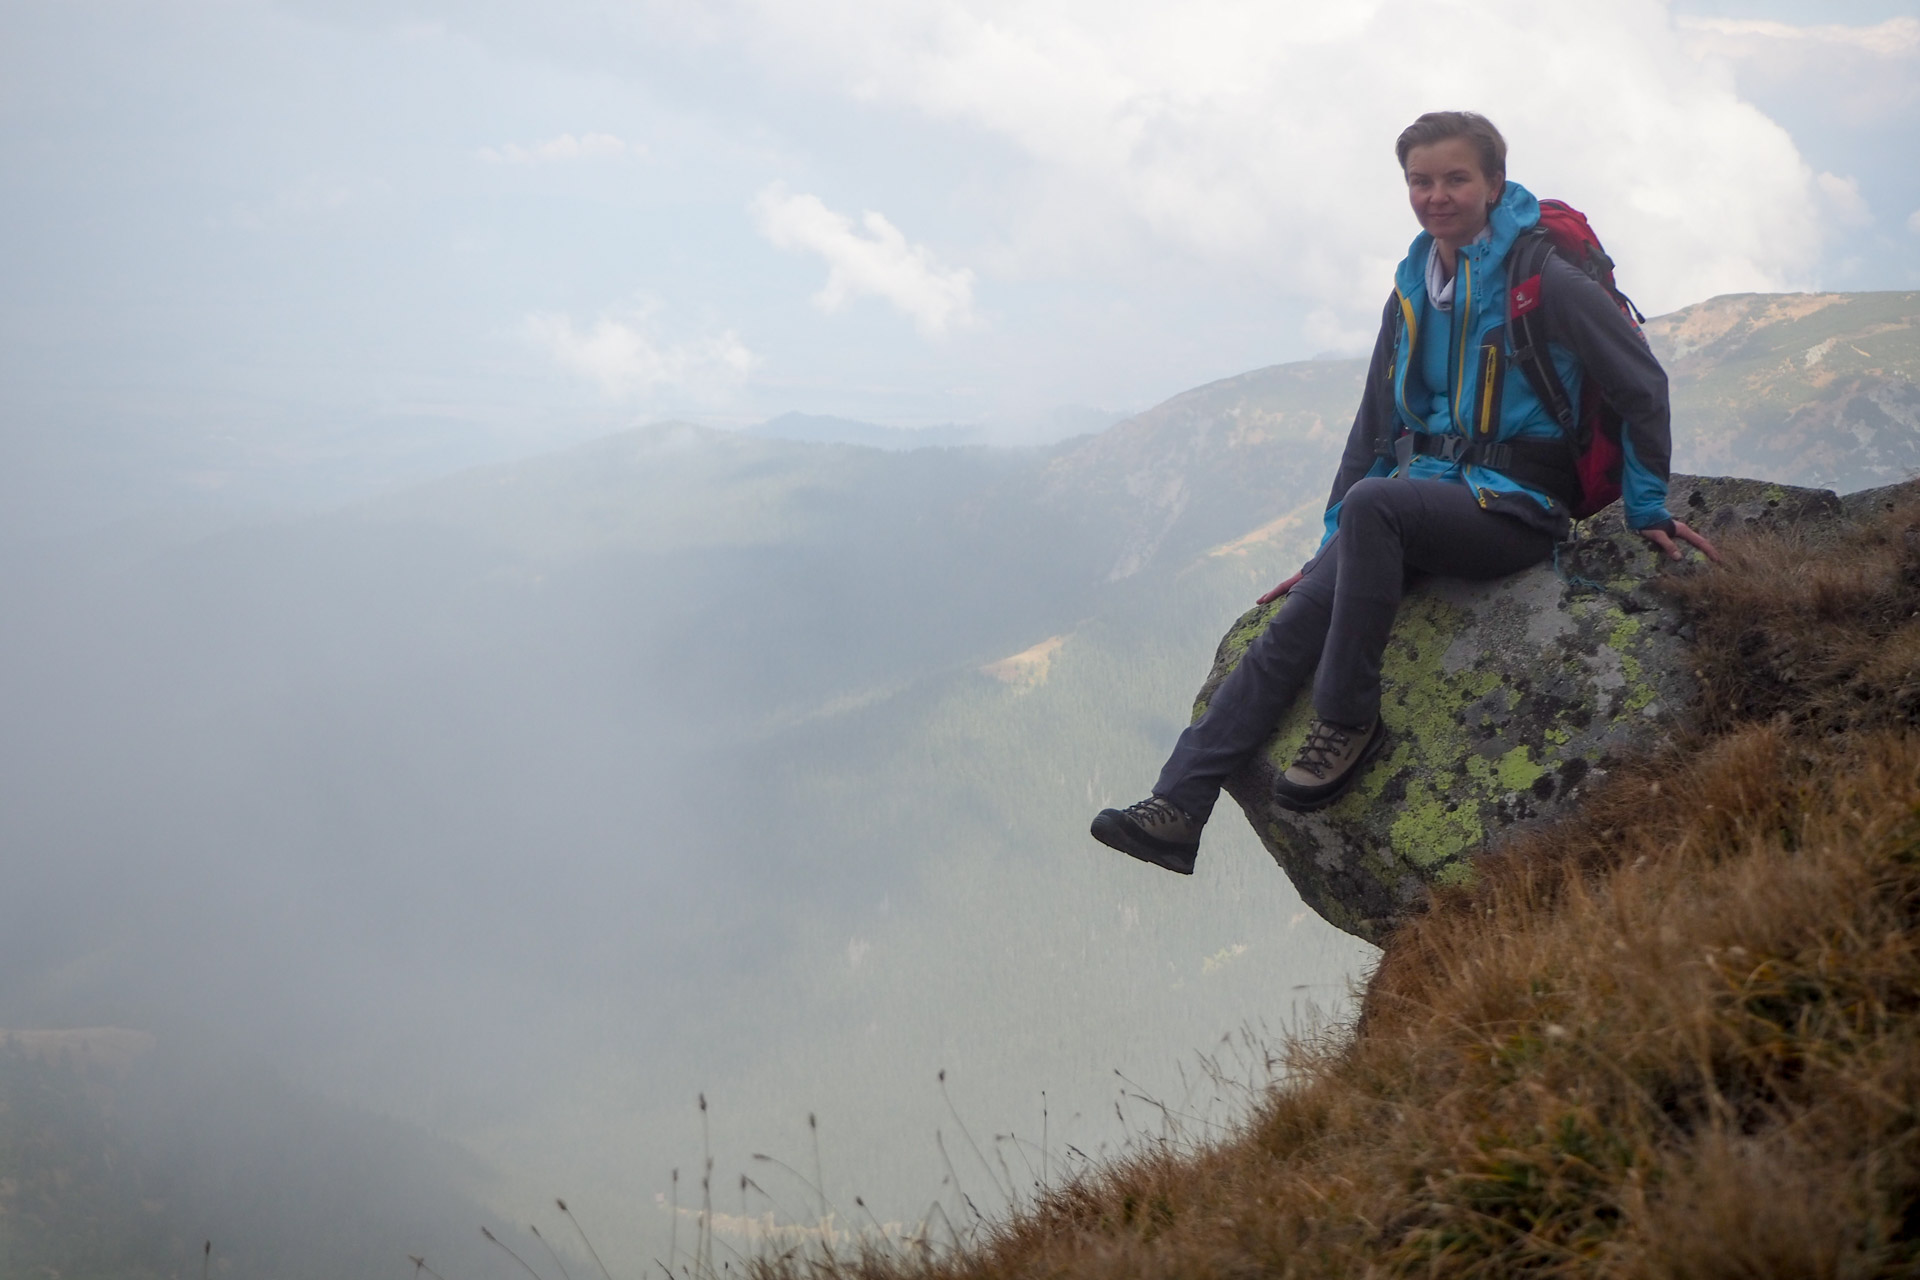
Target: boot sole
{"points": [[1114, 831], [1308, 801]]}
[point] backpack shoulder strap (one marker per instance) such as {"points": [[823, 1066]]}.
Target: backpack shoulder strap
{"points": [[1526, 328], [1393, 320]]}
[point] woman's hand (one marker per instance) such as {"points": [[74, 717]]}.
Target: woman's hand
{"points": [[1280, 590], [1659, 538]]}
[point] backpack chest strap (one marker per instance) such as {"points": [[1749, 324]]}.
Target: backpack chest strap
{"points": [[1448, 447]]}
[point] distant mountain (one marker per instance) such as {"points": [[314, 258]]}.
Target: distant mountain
{"points": [[819, 429], [1812, 388], [1214, 463]]}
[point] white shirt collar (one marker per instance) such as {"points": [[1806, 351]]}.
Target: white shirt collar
{"points": [[1439, 289]]}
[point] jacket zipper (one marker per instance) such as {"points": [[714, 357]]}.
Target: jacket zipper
{"points": [[1463, 317], [1457, 361]]}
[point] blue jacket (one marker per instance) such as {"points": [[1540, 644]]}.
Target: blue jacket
{"points": [[1587, 337]]}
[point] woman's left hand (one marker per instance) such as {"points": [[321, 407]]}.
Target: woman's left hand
{"points": [[1282, 589], [1659, 538]]}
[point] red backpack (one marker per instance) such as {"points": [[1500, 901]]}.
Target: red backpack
{"points": [[1591, 428]]}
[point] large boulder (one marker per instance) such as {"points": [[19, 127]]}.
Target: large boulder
{"points": [[1502, 701]]}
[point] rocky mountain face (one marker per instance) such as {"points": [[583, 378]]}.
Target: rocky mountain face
{"points": [[1814, 388]]}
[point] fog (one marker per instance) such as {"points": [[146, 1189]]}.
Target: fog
{"points": [[470, 689], [520, 809]]}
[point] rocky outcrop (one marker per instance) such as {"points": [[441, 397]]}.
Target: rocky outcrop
{"points": [[1503, 701]]}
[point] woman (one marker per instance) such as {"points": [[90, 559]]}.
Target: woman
{"points": [[1417, 503]]}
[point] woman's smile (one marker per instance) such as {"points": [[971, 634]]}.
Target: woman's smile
{"points": [[1450, 193]]}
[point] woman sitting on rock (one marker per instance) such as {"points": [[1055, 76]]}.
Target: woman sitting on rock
{"points": [[1422, 504]]}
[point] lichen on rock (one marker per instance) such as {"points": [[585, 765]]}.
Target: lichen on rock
{"points": [[1502, 700]]}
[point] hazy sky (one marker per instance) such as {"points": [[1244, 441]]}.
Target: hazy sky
{"points": [[302, 778], [300, 249]]}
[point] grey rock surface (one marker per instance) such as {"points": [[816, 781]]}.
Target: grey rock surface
{"points": [[1502, 700]]}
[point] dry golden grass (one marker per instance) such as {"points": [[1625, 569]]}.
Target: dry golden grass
{"points": [[1678, 1035]]}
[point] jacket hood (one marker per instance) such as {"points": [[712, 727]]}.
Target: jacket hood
{"points": [[1516, 211]]}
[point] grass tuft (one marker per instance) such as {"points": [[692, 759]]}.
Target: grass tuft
{"points": [[1675, 1035]]}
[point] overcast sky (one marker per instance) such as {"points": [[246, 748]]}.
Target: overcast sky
{"points": [[327, 244]]}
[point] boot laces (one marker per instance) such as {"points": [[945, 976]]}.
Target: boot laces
{"points": [[1156, 811], [1325, 742]]}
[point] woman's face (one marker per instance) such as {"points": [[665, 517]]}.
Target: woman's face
{"points": [[1450, 194]]}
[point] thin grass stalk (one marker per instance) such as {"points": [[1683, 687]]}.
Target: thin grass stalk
{"points": [[965, 1133], [550, 1251], [592, 1252], [502, 1245]]}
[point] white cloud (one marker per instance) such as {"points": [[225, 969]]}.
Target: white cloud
{"points": [[1844, 200], [314, 198], [588, 146], [1858, 78], [1893, 37], [626, 359], [1913, 222], [1257, 138], [1330, 333], [880, 264]]}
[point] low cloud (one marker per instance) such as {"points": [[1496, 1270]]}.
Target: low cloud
{"points": [[1844, 201], [1913, 222], [1233, 135], [628, 360], [1895, 36], [1858, 77], [314, 198], [566, 147], [880, 264]]}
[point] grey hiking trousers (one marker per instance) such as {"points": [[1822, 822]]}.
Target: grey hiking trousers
{"points": [[1338, 617]]}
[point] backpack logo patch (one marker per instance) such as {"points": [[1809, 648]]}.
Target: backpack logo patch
{"points": [[1526, 296]]}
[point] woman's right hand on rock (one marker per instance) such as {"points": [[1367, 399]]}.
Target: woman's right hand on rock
{"points": [[1280, 590], [1671, 549]]}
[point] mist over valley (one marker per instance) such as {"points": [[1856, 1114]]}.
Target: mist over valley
{"points": [[484, 825]]}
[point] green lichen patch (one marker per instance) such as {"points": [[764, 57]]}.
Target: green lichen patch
{"points": [[1501, 700], [1517, 771], [1431, 832]]}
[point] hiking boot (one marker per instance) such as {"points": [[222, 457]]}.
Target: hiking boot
{"points": [[1152, 831], [1330, 761]]}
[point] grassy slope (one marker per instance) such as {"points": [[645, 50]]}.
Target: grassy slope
{"points": [[1679, 1035]]}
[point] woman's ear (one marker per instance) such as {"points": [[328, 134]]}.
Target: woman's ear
{"points": [[1499, 189]]}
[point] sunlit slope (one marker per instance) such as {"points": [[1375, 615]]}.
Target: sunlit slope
{"points": [[1815, 388], [1213, 463]]}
